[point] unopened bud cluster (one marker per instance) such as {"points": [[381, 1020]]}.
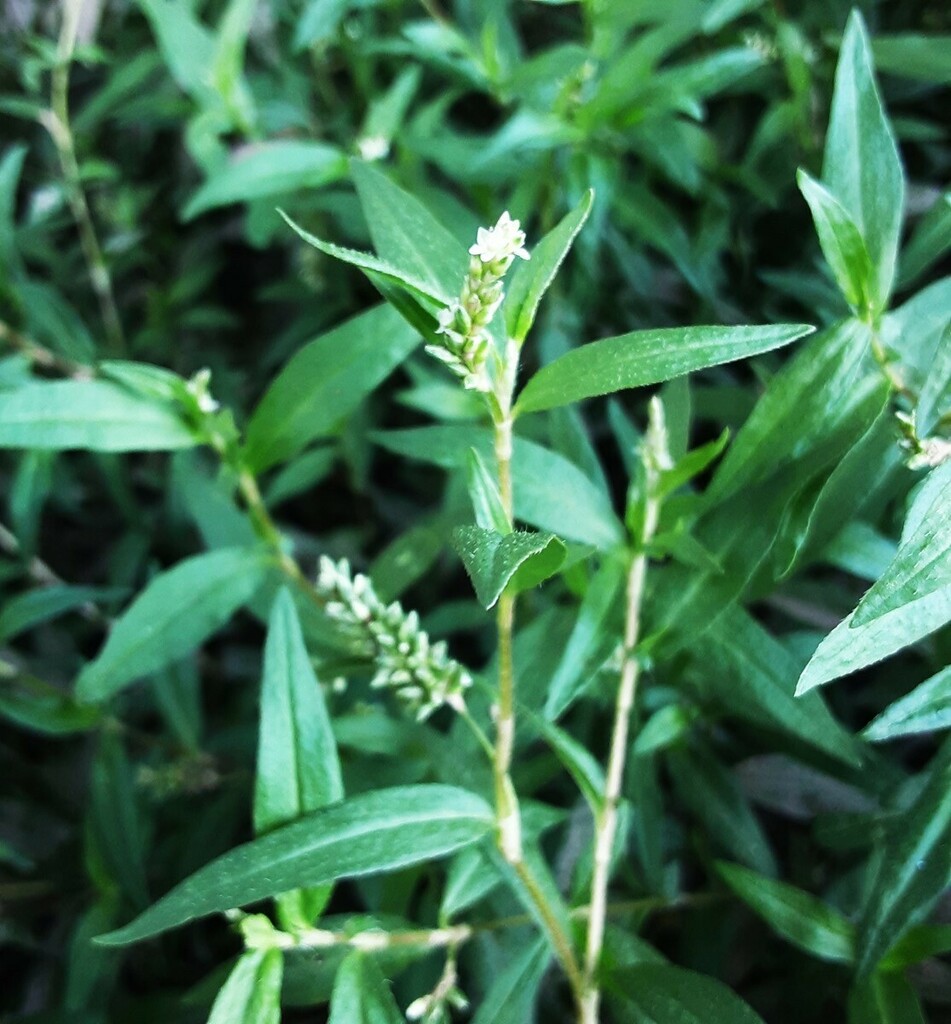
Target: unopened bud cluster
{"points": [[463, 323], [419, 672]]}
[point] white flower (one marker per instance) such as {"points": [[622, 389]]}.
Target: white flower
{"points": [[373, 147], [501, 242], [932, 452]]}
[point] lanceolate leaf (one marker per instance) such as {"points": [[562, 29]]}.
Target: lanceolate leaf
{"points": [[361, 994], [660, 994], [861, 167], [269, 169], [647, 357], [841, 242], [796, 915], [552, 493], [511, 997], [923, 562], [914, 868], [298, 769], [926, 709], [407, 235], [176, 612], [92, 414], [740, 665], [252, 993], [325, 381], [885, 997], [531, 280], [848, 648], [371, 833], [493, 561]]}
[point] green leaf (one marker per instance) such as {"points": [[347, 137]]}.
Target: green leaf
{"points": [[922, 564], [805, 406], [926, 709], [842, 244], [24, 611], [374, 266], [298, 769], [32, 704], [861, 166], [551, 492], [741, 665], [324, 382], [589, 642], [252, 993], [10, 167], [922, 57], [175, 613], [367, 834], [918, 944], [659, 994], [510, 998], [494, 561], [647, 357], [580, 764], [361, 994], [268, 169], [532, 279], [847, 649], [407, 235], [490, 513], [709, 791], [92, 414], [914, 867], [885, 998], [796, 915]]}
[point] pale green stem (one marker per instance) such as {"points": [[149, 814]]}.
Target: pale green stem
{"points": [[508, 814], [607, 817], [57, 123]]}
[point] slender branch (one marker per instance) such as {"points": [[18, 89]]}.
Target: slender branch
{"points": [[653, 454], [57, 122], [42, 356]]}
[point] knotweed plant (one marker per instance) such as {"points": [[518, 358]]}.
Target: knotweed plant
{"points": [[523, 705]]}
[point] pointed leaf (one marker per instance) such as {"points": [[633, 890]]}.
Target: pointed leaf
{"points": [[914, 868], [176, 612], [861, 166], [324, 382], [796, 915], [532, 279], [660, 994], [486, 500], [374, 265], [511, 996], [552, 493], [361, 994], [367, 834], [926, 709], [92, 414], [647, 357], [407, 235], [922, 564], [493, 560], [298, 769], [842, 244], [268, 169], [252, 993]]}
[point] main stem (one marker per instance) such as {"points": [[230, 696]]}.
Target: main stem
{"points": [[508, 815], [606, 820]]}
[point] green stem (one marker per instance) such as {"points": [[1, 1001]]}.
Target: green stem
{"points": [[606, 819], [508, 813], [57, 122]]}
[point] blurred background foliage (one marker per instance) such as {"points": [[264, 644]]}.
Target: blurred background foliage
{"points": [[141, 165]]}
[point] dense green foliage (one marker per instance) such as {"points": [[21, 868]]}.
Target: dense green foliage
{"points": [[408, 617]]}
